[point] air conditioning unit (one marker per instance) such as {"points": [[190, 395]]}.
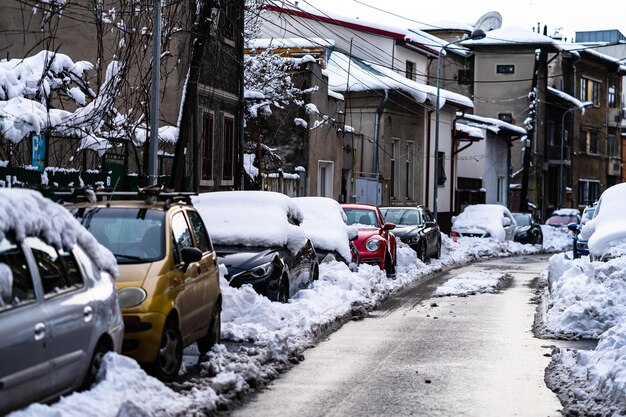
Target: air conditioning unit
{"points": [[615, 168]]}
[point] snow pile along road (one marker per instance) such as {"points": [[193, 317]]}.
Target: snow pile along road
{"points": [[262, 338]]}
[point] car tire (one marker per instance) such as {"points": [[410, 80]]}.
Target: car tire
{"points": [[170, 354], [423, 253], [282, 296], [94, 365], [437, 254], [389, 268], [214, 332]]}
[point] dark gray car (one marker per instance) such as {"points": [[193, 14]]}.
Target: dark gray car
{"points": [[416, 226], [59, 313]]}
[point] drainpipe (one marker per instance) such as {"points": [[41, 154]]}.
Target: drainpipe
{"points": [[379, 113], [453, 152], [574, 130], [428, 126]]}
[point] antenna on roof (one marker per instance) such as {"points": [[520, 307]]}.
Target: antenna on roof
{"points": [[489, 21]]}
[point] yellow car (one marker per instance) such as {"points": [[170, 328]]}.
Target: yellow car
{"points": [[168, 285]]}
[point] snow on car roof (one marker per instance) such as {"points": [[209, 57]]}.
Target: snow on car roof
{"points": [[26, 213], [608, 226], [566, 212], [251, 218], [483, 216], [325, 224]]}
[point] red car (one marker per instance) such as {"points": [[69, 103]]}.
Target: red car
{"points": [[375, 242]]}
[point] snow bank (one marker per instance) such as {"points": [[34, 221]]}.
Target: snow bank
{"points": [[471, 283], [607, 230]]}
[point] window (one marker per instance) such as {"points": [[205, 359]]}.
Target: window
{"points": [[410, 70], [207, 147], [464, 76], [325, 178], [58, 270], [582, 141], [441, 157], [588, 191], [505, 69], [501, 197], [181, 235], [593, 143], [395, 169], [199, 231], [612, 97], [16, 284], [588, 142], [408, 179], [590, 91], [612, 146], [229, 148], [230, 21]]}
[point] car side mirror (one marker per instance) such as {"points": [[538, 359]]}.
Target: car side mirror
{"points": [[573, 227], [389, 226], [190, 255]]}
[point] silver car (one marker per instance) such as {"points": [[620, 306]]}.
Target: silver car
{"points": [[59, 312]]}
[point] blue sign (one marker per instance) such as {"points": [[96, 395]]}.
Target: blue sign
{"points": [[39, 151]]}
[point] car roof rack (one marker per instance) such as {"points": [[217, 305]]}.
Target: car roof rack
{"points": [[150, 194]]}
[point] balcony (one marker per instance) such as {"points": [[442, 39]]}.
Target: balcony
{"points": [[554, 155]]}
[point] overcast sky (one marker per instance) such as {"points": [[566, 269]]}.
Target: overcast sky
{"points": [[572, 16]]}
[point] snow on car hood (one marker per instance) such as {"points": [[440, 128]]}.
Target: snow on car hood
{"points": [[608, 227], [251, 218], [482, 217]]}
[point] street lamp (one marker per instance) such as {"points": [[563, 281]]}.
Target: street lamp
{"points": [[582, 106], [476, 35]]}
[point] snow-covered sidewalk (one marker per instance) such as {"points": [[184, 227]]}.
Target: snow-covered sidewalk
{"points": [[263, 338]]}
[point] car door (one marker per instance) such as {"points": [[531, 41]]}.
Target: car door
{"points": [[430, 229], [69, 314], [24, 365], [509, 229], [209, 279]]}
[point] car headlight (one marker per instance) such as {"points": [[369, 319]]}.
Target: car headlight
{"points": [[131, 296], [372, 245], [329, 258], [263, 270]]}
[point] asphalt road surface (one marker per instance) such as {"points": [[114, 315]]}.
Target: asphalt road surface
{"points": [[423, 356]]}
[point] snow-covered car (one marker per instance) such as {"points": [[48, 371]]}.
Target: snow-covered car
{"points": [[580, 247], [168, 283], [417, 227], [325, 224], [605, 233], [486, 221], [375, 242], [259, 240], [527, 230], [563, 217], [59, 311]]}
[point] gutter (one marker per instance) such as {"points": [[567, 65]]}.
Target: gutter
{"points": [[379, 113]]}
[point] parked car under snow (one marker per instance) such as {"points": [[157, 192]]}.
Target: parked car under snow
{"points": [[258, 238], [605, 233], [486, 221]]}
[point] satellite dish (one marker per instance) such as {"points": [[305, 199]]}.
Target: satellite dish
{"points": [[489, 21]]}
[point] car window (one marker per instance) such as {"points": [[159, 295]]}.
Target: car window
{"points": [[428, 217], [181, 234], [199, 231], [58, 270], [403, 217], [359, 216], [16, 284]]}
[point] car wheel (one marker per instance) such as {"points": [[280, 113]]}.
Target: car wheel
{"points": [[423, 252], [389, 269], [214, 332], [437, 254], [94, 365], [283, 290], [170, 353]]}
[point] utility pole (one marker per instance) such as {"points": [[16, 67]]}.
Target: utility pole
{"points": [[530, 132], [153, 145]]}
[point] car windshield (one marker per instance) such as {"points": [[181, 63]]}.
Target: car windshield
{"points": [[360, 216], [522, 219], [132, 234], [561, 220], [588, 213], [402, 217]]}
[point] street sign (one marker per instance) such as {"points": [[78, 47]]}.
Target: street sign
{"points": [[39, 151]]}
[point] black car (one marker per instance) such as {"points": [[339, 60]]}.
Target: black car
{"points": [[416, 227], [527, 230], [273, 272], [258, 238]]}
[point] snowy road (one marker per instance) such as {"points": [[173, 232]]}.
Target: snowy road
{"points": [[417, 355]]}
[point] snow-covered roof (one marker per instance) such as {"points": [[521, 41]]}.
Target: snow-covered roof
{"points": [[364, 76], [325, 224], [563, 95], [470, 131], [26, 213], [251, 218], [512, 36], [300, 43], [451, 25], [491, 124]]}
